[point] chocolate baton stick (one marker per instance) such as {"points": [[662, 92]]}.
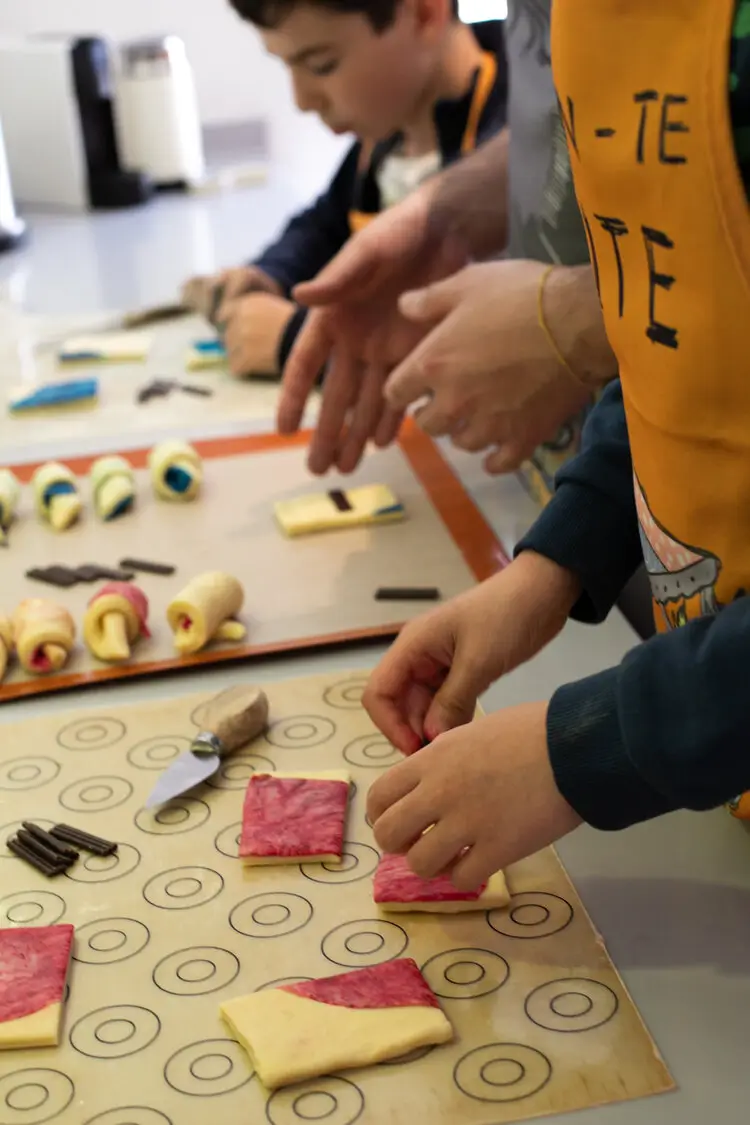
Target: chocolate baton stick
{"points": [[20, 850], [94, 844], [44, 837]]}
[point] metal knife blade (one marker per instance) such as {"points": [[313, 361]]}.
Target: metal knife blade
{"points": [[231, 719], [187, 771]]}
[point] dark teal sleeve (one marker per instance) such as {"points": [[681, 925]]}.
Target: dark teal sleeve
{"points": [[313, 237]]}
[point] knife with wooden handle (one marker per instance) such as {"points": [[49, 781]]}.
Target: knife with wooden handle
{"points": [[229, 721]]}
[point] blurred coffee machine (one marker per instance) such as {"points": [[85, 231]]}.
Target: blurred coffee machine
{"points": [[56, 105], [12, 229], [156, 112]]}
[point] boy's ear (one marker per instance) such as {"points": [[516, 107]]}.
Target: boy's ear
{"points": [[432, 15]]}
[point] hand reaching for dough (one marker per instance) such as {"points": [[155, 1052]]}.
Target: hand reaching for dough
{"points": [[486, 792], [200, 293], [431, 677], [254, 329]]}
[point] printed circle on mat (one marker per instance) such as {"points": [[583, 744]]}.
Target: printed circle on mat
{"points": [[228, 840], [236, 771], [335, 1101], [130, 1115], [364, 942], [34, 1095], [183, 888], [97, 733], [571, 1004], [208, 1068], [96, 794], [410, 1057], [272, 914], [196, 971], [357, 862], [19, 774], [502, 1072], [532, 914], [31, 908], [300, 732], [465, 974], [115, 1032], [158, 752], [109, 940], [105, 868], [346, 694], [8, 830], [371, 752], [183, 814], [281, 981]]}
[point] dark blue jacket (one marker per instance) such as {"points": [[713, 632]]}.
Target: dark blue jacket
{"points": [[668, 727]]}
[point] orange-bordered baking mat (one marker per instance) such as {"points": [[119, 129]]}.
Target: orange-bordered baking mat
{"points": [[302, 593]]}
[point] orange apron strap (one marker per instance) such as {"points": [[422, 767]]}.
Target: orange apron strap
{"points": [[358, 220], [485, 83]]}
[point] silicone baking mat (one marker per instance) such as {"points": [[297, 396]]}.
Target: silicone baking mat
{"points": [[173, 924], [303, 592]]}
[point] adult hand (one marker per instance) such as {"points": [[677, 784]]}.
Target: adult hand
{"points": [[254, 328], [200, 293], [430, 679], [475, 801], [361, 331], [491, 374]]}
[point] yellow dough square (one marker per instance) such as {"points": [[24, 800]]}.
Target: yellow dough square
{"points": [[331, 511], [125, 347], [34, 965], [336, 1023], [397, 889], [287, 819]]}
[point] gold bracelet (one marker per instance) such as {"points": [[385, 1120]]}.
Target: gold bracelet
{"points": [[561, 359]]}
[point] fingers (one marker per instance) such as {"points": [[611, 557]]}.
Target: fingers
{"points": [[471, 870], [398, 808], [431, 304], [340, 389], [307, 359], [455, 702], [507, 458], [365, 419], [353, 268], [388, 427], [410, 380], [435, 851], [435, 420], [394, 709]]}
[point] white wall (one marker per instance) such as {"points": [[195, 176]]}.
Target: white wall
{"points": [[235, 79]]}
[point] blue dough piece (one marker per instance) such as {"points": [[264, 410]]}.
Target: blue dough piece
{"points": [[209, 347], [123, 507], [60, 488], [57, 394], [178, 480]]}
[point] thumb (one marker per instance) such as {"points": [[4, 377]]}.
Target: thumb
{"points": [[455, 703], [431, 304], [346, 277]]}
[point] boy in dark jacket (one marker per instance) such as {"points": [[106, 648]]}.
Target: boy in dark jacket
{"points": [[419, 89]]}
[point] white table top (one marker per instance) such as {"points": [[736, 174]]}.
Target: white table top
{"points": [[672, 898]]}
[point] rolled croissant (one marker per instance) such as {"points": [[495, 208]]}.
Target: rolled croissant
{"points": [[115, 619], [10, 491], [56, 495], [44, 634], [113, 485], [176, 470], [205, 610], [6, 644]]}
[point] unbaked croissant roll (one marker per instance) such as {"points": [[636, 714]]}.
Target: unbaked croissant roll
{"points": [[115, 619], [205, 610], [56, 495], [6, 644], [176, 470], [113, 486], [10, 491], [44, 634]]}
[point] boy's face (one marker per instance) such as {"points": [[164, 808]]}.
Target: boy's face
{"points": [[356, 79]]}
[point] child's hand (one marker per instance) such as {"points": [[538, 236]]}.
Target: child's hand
{"points": [[253, 333], [431, 677], [200, 293], [486, 792]]}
